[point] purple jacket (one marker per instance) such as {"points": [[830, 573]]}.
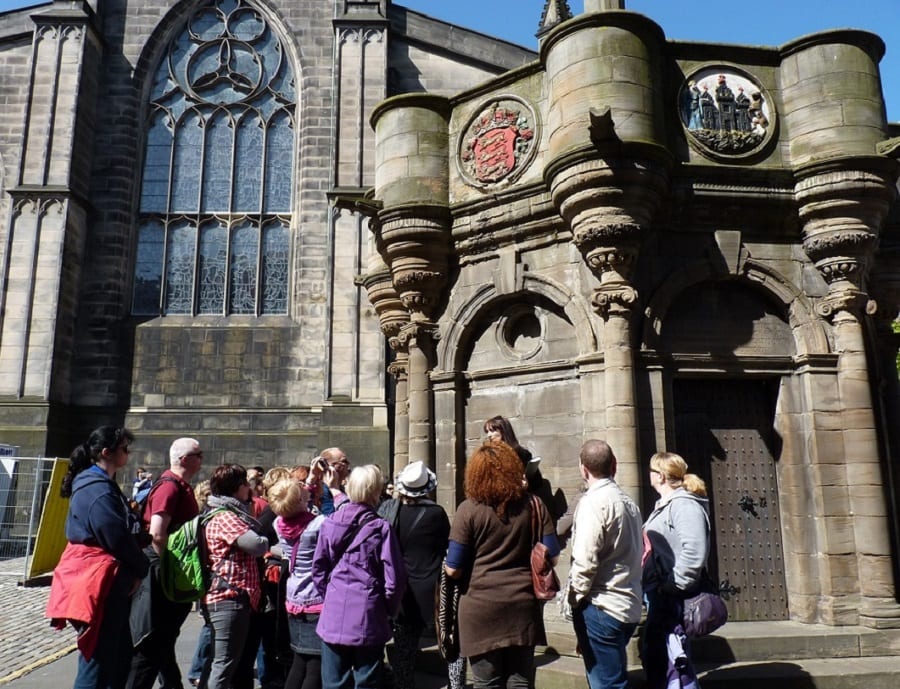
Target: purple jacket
{"points": [[363, 587]]}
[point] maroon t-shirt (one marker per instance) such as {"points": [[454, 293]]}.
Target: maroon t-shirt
{"points": [[174, 497]]}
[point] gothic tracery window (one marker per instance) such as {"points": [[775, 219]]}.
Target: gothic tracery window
{"points": [[215, 209]]}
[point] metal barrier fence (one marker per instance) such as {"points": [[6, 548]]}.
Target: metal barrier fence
{"points": [[23, 487]]}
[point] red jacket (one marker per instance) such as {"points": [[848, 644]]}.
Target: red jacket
{"points": [[81, 582]]}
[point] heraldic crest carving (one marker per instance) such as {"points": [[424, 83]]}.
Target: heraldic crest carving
{"points": [[498, 143], [725, 112]]}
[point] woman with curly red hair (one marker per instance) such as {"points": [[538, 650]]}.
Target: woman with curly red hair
{"points": [[500, 620]]}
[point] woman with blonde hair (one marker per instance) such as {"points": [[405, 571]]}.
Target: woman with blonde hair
{"points": [[298, 533], [678, 533], [359, 572], [500, 619]]}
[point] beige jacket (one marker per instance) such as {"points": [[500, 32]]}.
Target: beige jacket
{"points": [[606, 552]]}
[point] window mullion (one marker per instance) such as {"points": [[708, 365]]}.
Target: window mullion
{"points": [[163, 282], [195, 300], [226, 298], [260, 244]]}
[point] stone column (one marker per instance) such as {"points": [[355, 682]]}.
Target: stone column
{"points": [[399, 368], [392, 316], [608, 174], [842, 207], [360, 83], [420, 339], [615, 301], [412, 185]]}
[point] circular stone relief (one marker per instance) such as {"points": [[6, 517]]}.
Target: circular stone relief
{"points": [[725, 112], [498, 143]]}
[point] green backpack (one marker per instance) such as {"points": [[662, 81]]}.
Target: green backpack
{"points": [[183, 573]]}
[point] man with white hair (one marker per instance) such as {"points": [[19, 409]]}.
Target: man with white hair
{"points": [[155, 620]]}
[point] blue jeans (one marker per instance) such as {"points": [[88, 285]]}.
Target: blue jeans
{"points": [[346, 667], [603, 640], [111, 660], [202, 654]]}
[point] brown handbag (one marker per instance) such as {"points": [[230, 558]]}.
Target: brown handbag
{"points": [[543, 576]]}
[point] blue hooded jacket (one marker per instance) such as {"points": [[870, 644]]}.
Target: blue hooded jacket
{"points": [[99, 515]]}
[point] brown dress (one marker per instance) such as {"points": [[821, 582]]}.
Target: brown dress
{"points": [[498, 608]]}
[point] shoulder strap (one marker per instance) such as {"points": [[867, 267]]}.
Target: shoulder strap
{"points": [[347, 541], [535, 519], [203, 547], [419, 514], [156, 484]]}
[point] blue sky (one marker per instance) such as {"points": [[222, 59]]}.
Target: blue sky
{"points": [[754, 22]]}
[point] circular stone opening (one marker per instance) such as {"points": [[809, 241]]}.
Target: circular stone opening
{"points": [[521, 334]]}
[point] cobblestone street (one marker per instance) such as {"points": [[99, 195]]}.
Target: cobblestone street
{"points": [[26, 639]]}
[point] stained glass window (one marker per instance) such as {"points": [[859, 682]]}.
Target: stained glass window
{"points": [[244, 243], [215, 208]]}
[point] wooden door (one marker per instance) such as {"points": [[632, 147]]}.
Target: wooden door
{"points": [[724, 431]]}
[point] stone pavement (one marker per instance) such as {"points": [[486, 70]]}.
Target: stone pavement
{"points": [[35, 656], [26, 639]]}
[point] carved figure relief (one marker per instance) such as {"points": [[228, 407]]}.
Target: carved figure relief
{"points": [[498, 143], [724, 112]]}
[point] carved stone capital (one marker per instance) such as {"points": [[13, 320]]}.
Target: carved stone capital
{"points": [[846, 301], [416, 242], [419, 290], [392, 315], [841, 269], [607, 202], [419, 334], [399, 367], [842, 207], [607, 258], [615, 299]]}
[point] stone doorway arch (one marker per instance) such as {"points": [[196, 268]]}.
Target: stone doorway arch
{"points": [[518, 355], [727, 344]]}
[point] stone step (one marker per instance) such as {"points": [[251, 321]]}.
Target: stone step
{"points": [[762, 641], [740, 655], [564, 672]]}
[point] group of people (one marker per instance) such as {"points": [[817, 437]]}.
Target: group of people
{"points": [[359, 566]]}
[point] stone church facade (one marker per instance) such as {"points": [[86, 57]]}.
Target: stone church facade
{"points": [[279, 226], [670, 246], [171, 254]]}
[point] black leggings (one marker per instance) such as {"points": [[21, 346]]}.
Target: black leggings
{"points": [[305, 673]]}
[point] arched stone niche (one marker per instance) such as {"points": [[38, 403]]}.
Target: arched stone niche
{"points": [[515, 354], [769, 299], [726, 319]]}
